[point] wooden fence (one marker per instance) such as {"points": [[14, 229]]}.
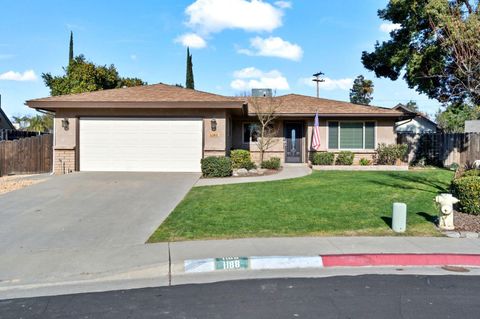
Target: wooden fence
{"points": [[27, 156], [441, 149], [10, 135]]}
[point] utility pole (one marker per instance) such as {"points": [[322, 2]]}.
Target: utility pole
{"points": [[318, 80]]}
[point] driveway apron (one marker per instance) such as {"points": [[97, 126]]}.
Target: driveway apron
{"points": [[89, 210]]}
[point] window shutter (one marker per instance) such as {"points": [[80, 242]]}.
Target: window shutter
{"points": [[351, 135], [333, 135], [369, 135]]}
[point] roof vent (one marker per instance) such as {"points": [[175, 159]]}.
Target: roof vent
{"points": [[262, 92]]}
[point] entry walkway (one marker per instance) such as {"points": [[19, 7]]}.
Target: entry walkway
{"points": [[288, 171]]}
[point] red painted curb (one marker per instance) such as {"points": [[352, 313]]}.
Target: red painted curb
{"points": [[400, 260]]}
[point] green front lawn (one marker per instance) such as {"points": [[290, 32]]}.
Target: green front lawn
{"points": [[324, 203]]}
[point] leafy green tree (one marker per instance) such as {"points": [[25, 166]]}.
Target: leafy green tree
{"points": [[84, 76], [189, 82], [361, 91], [37, 123], [434, 39], [412, 106], [70, 51], [452, 119]]}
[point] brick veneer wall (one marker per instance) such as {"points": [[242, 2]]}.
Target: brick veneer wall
{"points": [[64, 161]]}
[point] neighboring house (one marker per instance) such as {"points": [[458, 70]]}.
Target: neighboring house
{"points": [[472, 126], [166, 128], [5, 122], [416, 125]]}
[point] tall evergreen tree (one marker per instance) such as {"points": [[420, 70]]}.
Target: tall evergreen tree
{"points": [[189, 82], [70, 52], [361, 92]]}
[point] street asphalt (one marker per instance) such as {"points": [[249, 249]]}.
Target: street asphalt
{"points": [[370, 297]]}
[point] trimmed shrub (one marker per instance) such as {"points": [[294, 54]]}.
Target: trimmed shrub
{"points": [[344, 158], [471, 172], [389, 154], [467, 190], [213, 166], [364, 161], [241, 159], [272, 163], [323, 158]]}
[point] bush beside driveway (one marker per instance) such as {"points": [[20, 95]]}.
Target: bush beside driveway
{"points": [[325, 203]]}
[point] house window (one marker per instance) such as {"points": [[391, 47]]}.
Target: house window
{"points": [[250, 132], [351, 135]]}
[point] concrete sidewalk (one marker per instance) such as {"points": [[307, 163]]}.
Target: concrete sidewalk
{"points": [[288, 171], [35, 273]]}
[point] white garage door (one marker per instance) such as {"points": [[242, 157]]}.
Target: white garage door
{"points": [[140, 144]]}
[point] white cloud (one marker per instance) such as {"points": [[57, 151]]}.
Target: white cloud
{"points": [[28, 75], [209, 16], [250, 78], [248, 73], [133, 57], [329, 84], [274, 46], [191, 40], [389, 27], [283, 4]]}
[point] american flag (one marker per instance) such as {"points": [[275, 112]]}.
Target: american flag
{"points": [[316, 134]]}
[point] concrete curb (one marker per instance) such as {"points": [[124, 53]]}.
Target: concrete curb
{"points": [[252, 263], [367, 168], [344, 260]]}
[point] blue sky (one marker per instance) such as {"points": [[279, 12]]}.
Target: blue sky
{"points": [[236, 45]]}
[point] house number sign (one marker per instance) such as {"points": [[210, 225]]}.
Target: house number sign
{"points": [[231, 263]]}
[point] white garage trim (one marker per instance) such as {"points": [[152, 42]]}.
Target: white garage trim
{"points": [[140, 144]]}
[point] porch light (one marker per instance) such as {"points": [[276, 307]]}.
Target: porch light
{"points": [[65, 124], [213, 125]]}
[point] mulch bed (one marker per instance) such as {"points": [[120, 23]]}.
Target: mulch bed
{"points": [[466, 222]]}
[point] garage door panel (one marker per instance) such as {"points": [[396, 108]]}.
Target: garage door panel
{"points": [[113, 144]]}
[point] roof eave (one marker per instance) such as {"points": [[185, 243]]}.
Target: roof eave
{"points": [[347, 115], [54, 105]]}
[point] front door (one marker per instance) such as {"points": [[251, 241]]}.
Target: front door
{"points": [[293, 142]]}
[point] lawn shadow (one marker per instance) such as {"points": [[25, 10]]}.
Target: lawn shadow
{"points": [[413, 182], [429, 218], [387, 220]]}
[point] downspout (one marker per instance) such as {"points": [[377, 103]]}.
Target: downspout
{"points": [[53, 149]]}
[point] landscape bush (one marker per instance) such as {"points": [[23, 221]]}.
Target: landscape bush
{"points": [[323, 158], [272, 163], [344, 158], [389, 154], [241, 159], [471, 172], [213, 166], [467, 190], [364, 161]]}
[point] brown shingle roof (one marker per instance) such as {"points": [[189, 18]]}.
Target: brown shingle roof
{"points": [[146, 93], [296, 104]]}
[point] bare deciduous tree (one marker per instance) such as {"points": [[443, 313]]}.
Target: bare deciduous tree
{"points": [[265, 108], [458, 32]]}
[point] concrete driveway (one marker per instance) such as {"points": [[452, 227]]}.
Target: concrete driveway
{"points": [[89, 210]]}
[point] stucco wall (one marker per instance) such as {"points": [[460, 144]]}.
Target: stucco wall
{"points": [[215, 142], [384, 134]]}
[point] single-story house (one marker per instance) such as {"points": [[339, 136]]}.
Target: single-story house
{"points": [[415, 125], [167, 128], [5, 122]]}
